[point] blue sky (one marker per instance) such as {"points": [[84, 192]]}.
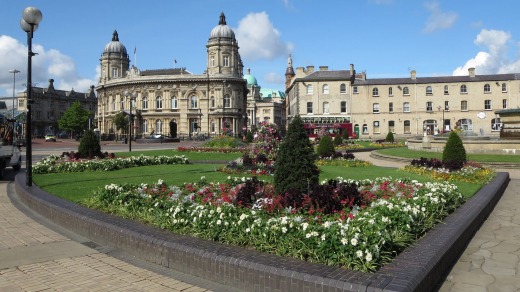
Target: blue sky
{"points": [[385, 38]]}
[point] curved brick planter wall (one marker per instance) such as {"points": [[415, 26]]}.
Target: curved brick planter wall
{"points": [[420, 268]]}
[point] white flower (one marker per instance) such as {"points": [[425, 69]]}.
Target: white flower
{"points": [[248, 230], [284, 229], [219, 209], [359, 253], [219, 222], [344, 241], [368, 257], [305, 225], [308, 235], [323, 237], [353, 241]]}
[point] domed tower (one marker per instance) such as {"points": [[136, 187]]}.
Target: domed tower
{"points": [[114, 60], [223, 56], [252, 85]]}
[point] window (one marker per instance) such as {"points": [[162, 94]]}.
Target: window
{"points": [[504, 103], [122, 104], [227, 101], [391, 126], [465, 124], [504, 87], [487, 88], [158, 127], [175, 102], [365, 129], [309, 107], [212, 126], [114, 104], [326, 107], [406, 107], [463, 89], [464, 105], [446, 90], [355, 90], [487, 104], [390, 107], [375, 108], [406, 127], [390, 91], [429, 90], [375, 92], [343, 88], [343, 107], [429, 106], [144, 127], [447, 105], [496, 125], [226, 61], [325, 89], [310, 89], [376, 127], [212, 102], [158, 102], [406, 90], [193, 102], [115, 73], [145, 102]]}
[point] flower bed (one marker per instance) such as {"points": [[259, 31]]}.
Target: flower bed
{"points": [[57, 164], [211, 149], [369, 229], [470, 172]]}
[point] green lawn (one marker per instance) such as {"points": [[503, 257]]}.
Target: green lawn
{"points": [[192, 156], [407, 153]]}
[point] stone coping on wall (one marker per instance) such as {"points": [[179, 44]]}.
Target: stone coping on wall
{"points": [[422, 267]]}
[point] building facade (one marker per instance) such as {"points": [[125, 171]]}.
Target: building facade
{"points": [[49, 105], [405, 106], [175, 102]]}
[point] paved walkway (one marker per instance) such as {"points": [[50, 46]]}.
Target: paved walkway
{"points": [[491, 261]]}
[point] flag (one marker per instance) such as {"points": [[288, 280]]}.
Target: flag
{"points": [[175, 60], [135, 49]]}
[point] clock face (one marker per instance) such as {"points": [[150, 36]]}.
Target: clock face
{"points": [[481, 115]]}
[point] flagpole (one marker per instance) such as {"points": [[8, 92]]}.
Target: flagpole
{"points": [[135, 56]]}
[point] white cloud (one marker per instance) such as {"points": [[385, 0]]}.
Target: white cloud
{"points": [[494, 59], [438, 19], [259, 39], [46, 64]]}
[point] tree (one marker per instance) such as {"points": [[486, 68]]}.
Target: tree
{"points": [[390, 137], [75, 118], [454, 153], [89, 145], [338, 140], [295, 168], [121, 121], [326, 147]]}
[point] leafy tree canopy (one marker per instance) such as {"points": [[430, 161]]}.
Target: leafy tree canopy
{"points": [[75, 119], [121, 121]]}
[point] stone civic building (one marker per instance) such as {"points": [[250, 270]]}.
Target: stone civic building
{"points": [[49, 105], [405, 106], [176, 102]]}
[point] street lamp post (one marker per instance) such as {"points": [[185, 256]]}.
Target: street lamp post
{"points": [[132, 97], [31, 17], [14, 71]]}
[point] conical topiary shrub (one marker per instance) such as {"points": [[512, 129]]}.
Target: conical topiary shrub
{"points": [[454, 154], [295, 168], [338, 140], [326, 147], [390, 137], [89, 145]]}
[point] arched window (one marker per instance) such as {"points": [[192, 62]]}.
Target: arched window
{"points": [[158, 127], [343, 88], [406, 90], [310, 89], [212, 126], [487, 88], [375, 92], [465, 124], [496, 125], [429, 90], [175, 102], [365, 129], [325, 89], [446, 90], [463, 89], [406, 127], [227, 101], [406, 107], [194, 102], [158, 102], [375, 108], [145, 102]]}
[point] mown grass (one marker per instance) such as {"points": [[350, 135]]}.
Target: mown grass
{"points": [[192, 156], [407, 153]]}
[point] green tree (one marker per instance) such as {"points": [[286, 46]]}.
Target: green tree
{"points": [[121, 121], [454, 152], [75, 119], [89, 145], [390, 137], [338, 140], [295, 167], [326, 147]]}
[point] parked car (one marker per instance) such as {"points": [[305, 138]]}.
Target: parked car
{"points": [[50, 138]]}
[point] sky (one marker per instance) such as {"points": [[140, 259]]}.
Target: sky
{"points": [[384, 38]]}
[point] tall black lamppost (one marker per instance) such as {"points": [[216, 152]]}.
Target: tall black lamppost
{"points": [[132, 97], [31, 17]]}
